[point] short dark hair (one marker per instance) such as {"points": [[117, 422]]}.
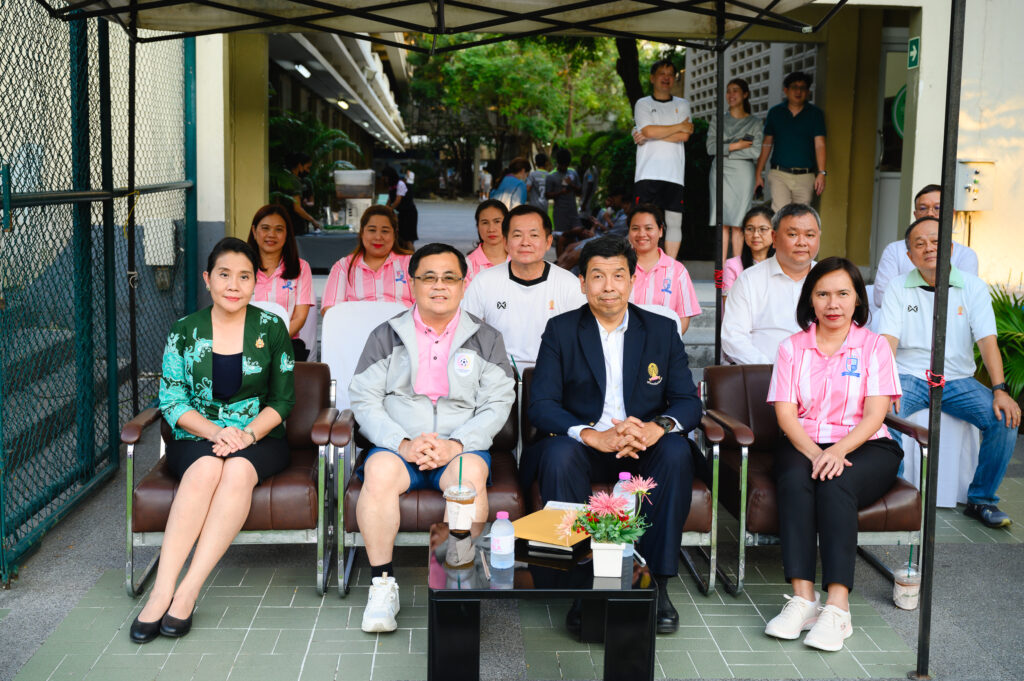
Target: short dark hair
{"points": [[230, 244], [489, 203], [563, 157], [518, 164], [663, 62], [526, 209], [804, 307], [798, 77], [540, 160], [619, 190], [794, 210], [608, 246], [915, 223], [436, 249], [297, 158], [658, 213], [928, 189]]}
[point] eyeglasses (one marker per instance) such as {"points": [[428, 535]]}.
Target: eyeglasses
{"points": [[759, 230], [431, 279]]}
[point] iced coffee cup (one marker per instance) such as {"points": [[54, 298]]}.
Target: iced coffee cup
{"points": [[906, 587], [461, 505]]}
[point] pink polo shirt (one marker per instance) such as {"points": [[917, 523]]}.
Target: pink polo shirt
{"points": [[432, 372], [667, 283], [731, 270], [477, 262], [829, 391], [390, 283], [285, 292]]}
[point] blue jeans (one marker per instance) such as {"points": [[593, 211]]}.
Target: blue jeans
{"points": [[969, 400]]}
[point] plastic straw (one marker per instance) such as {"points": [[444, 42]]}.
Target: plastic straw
{"points": [[460, 482], [910, 561]]}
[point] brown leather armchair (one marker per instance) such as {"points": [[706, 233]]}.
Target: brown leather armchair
{"points": [[288, 508], [701, 527], [735, 397], [420, 508]]}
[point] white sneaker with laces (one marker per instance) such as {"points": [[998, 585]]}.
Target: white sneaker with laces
{"points": [[832, 628], [381, 605], [798, 615]]}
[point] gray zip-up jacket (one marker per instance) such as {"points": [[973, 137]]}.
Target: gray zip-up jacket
{"points": [[481, 389]]}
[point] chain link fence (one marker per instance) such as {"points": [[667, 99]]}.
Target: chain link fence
{"points": [[66, 378]]}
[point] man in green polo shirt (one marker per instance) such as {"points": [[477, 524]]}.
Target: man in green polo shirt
{"points": [[794, 138]]}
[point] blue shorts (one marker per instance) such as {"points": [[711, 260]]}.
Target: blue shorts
{"points": [[428, 479]]}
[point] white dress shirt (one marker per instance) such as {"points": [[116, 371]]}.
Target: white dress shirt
{"points": [[760, 313], [612, 344], [895, 262]]}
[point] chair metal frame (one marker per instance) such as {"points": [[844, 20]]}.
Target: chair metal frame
{"points": [[744, 435], [711, 435], [323, 535]]}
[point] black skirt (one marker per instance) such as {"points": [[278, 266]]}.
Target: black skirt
{"points": [[269, 456]]}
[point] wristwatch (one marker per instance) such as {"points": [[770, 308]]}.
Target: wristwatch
{"points": [[665, 422], [1000, 386], [250, 432], [822, 172]]}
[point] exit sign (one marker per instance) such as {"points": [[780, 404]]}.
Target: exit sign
{"points": [[914, 52]]}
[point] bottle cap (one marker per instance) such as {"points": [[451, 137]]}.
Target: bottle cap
{"points": [[501, 515], [624, 475]]}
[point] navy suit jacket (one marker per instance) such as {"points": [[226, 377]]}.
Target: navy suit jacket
{"points": [[569, 381]]}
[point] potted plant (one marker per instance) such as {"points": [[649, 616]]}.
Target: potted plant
{"points": [[612, 522], [1008, 307]]}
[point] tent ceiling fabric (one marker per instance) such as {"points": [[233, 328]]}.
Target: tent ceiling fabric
{"points": [[668, 19]]}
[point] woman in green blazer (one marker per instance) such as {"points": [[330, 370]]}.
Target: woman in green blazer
{"points": [[227, 386]]}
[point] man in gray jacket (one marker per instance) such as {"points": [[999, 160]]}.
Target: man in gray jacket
{"points": [[431, 390]]}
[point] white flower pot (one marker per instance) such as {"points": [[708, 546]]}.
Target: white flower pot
{"points": [[607, 559]]}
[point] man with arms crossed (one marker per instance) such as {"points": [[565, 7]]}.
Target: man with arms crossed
{"points": [[662, 126], [519, 296], [906, 323], [431, 390], [613, 387], [761, 312]]}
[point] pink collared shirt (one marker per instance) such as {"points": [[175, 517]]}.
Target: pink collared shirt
{"points": [[667, 283], [285, 292], [732, 269], [432, 371], [477, 262], [390, 283], [829, 391]]}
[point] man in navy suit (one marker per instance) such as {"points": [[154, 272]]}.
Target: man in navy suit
{"points": [[613, 389]]}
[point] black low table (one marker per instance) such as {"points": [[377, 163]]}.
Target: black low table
{"points": [[321, 250], [459, 575]]}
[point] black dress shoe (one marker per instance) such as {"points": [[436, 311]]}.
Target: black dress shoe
{"points": [[144, 632], [574, 619], [175, 628], [667, 621]]}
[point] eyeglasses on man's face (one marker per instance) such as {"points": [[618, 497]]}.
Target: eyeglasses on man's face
{"points": [[430, 279]]}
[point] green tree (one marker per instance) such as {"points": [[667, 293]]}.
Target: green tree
{"points": [[290, 132]]}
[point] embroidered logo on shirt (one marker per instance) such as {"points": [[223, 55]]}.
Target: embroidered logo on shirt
{"points": [[463, 364], [851, 367], [501, 305], [400, 277], [287, 286], [911, 308], [652, 371], [259, 343], [666, 287], [960, 311]]}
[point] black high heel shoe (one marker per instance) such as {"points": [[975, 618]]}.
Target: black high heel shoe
{"points": [[144, 632], [174, 627]]}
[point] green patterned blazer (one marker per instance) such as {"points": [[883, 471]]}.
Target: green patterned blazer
{"points": [[268, 377]]}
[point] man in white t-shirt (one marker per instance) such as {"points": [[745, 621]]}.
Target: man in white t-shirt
{"points": [[662, 126], [906, 323], [518, 297]]}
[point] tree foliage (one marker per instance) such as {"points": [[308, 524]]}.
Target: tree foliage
{"points": [[290, 132]]}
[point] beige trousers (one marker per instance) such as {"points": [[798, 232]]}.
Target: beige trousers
{"points": [[789, 188]]}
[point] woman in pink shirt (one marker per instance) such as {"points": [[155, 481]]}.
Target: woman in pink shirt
{"points": [[490, 215], [377, 270], [660, 279], [283, 278], [832, 386], [757, 244]]}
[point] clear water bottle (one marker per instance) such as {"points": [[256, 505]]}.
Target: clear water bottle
{"points": [[503, 542], [618, 491]]}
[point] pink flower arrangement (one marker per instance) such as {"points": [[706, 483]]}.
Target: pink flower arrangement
{"points": [[611, 519]]}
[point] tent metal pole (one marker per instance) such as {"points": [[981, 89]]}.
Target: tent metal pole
{"points": [[949, 143], [719, 170]]}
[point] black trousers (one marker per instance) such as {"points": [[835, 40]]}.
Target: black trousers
{"points": [[822, 514], [566, 469]]}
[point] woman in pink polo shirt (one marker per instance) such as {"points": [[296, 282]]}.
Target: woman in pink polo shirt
{"points": [[283, 278], [758, 238], [832, 386], [660, 279], [490, 215], [378, 269]]}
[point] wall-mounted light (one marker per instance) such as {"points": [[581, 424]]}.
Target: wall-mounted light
{"points": [[343, 104], [366, 124], [303, 71]]}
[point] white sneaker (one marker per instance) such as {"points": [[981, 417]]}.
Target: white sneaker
{"points": [[798, 615], [381, 605], [832, 628]]}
